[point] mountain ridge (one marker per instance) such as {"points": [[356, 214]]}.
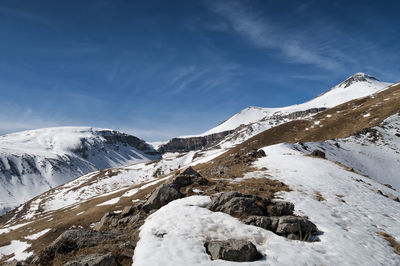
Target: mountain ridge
{"points": [[33, 161]]}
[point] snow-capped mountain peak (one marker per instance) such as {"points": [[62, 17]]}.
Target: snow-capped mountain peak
{"points": [[358, 77], [356, 86]]}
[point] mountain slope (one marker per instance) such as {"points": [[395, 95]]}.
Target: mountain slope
{"points": [[34, 161], [356, 86], [374, 152], [353, 212]]}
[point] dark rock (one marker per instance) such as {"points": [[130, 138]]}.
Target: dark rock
{"points": [[129, 210], [130, 219], [236, 203], [69, 241], [108, 219], [257, 154], [293, 237], [266, 222], [281, 208], [193, 143], [232, 250], [94, 260], [293, 227], [162, 196], [299, 226], [318, 153], [188, 177]]}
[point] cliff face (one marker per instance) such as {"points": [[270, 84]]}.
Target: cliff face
{"points": [[193, 143], [114, 139]]}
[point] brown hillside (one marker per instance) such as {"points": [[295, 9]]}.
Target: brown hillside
{"points": [[339, 122]]}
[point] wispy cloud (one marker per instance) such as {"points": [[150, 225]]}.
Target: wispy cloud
{"points": [[266, 35], [20, 14], [201, 78]]}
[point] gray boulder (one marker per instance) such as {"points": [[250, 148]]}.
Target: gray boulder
{"points": [[266, 222], [110, 218], [281, 208], [293, 227], [188, 177], [296, 225], [233, 250], [238, 204], [94, 260], [162, 196]]}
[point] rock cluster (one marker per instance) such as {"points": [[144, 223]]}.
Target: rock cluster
{"points": [[69, 241], [274, 216]]}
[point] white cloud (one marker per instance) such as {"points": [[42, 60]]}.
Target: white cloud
{"points": [[264, 34]]}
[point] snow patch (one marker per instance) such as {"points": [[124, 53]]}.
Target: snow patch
{"points": [[38, 234]]}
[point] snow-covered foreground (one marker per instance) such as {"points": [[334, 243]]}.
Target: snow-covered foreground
{"points": [[350, 218]]}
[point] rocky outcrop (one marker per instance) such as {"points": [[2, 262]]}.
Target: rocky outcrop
{"points": [[115, 137], [290, 226], [189, 177], [232, 250], [238, 204], [192, 143], [163, 195], [69, 241], [94, 260], [271, 215], [297, 114]]}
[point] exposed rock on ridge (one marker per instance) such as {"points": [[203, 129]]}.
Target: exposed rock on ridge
{"points": [[192, 143]]}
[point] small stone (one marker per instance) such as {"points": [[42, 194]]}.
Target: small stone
{"points": [[233, 250], [318, 153]]}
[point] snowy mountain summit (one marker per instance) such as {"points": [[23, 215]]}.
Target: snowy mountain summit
{"points": [[358, 77], [356, 86]]}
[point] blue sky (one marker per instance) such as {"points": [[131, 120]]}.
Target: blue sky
{"points": [[159, 69]]}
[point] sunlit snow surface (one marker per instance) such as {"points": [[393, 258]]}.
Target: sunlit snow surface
{"points": [[350, 223], [375, 155]]}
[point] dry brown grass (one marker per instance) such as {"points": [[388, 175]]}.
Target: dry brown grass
{"points": [[392, 241], [345, 121], [67, 218]]}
